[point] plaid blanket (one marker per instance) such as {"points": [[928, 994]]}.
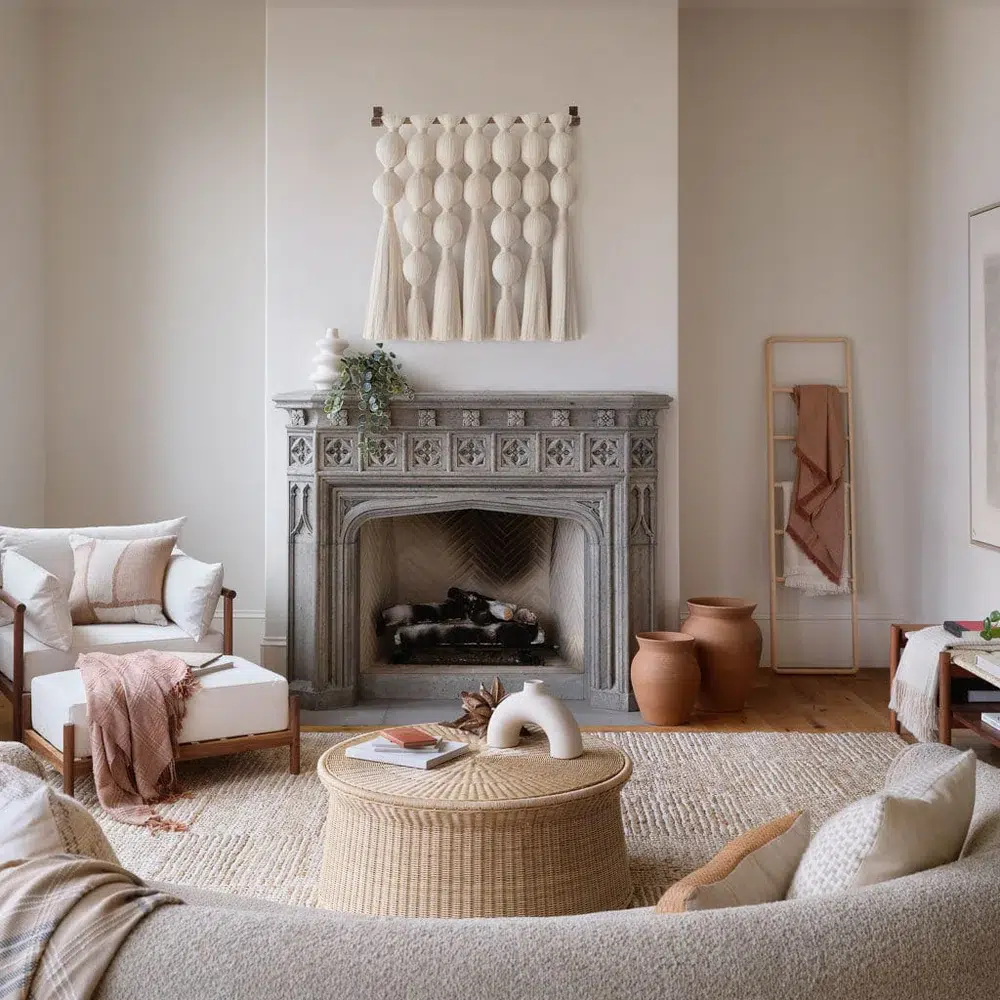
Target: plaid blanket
{"points": [[136, 704], [62, 920]]}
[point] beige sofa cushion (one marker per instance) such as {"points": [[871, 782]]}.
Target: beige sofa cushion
{"points": [[40, 659], [756, 867], [119, 580], [36, 820], [918, 821]]}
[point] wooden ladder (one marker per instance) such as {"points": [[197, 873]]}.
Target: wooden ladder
{"points": [[777, 533]]}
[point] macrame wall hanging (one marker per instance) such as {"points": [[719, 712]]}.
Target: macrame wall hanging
{"points": [[486, 212]]}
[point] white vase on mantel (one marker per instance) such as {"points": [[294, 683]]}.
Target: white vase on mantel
{"points": [[328, 361], [537, 706]]}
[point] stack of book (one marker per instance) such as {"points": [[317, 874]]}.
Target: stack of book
{"points": [[408, 746], [988, 669]]}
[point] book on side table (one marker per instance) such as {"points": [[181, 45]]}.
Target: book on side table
{"points": [[385, 751]]}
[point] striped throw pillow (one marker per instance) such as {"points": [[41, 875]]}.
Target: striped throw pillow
{"points": [[119, 580]]}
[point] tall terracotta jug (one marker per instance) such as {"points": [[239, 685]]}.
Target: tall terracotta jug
{"points": [[665, 677], [728, 644]]}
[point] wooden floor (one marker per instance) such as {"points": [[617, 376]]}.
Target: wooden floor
{"points": [[777, 704], [796, 704]]}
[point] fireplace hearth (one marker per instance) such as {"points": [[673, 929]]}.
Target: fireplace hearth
{"points": [[545, 504]]}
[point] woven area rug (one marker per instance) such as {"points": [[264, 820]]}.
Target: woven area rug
{"points": [[258, 831]]}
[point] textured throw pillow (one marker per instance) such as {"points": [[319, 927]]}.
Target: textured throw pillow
{"points": [[918, 821], [756, 867], [115, 580], [191, 591], [36, 820], [50, 548], [46, 614]]}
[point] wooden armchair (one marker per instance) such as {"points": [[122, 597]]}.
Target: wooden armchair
{"points": [[15, 687]]}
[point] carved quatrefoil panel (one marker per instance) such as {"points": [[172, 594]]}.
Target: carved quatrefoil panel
{"points": [[471, 453], [426, 453], [517, 453], [339, 452], [643, 453], [560, 453], [604, 452], [300, 451], [383, 453]]}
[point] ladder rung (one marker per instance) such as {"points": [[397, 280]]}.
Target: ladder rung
{"points": [[791, 388]]}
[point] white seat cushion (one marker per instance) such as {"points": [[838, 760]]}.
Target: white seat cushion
{"points": [[236, 702], [40, 659]]}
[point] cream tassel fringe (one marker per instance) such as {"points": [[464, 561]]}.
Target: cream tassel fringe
{"points": [[386, 318], [477, 284], [564, 322], [417, 322], [535, 312], [506, 326], [447, 323]]}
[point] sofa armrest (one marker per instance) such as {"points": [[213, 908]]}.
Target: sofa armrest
{"points": [[12, 602], [17, 667], [228, 597]]}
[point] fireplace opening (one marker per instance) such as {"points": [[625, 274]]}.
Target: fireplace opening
{"points": [[472, 587]]}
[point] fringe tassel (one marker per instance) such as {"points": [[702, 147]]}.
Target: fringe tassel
{"points": [[447, 323], [564, 322], [477, 283], [417, 322], [506, 326], [535, 312], [386, 319], [160, 824]]}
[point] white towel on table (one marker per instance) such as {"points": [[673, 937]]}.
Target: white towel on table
{"points": [[915, 688], [799, 571]]}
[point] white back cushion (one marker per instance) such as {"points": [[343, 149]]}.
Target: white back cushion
{"points": [[46, 616], [918, 821], [50, 548], [191, 591]]}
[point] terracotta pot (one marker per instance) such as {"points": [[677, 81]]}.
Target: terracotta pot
{"points": [[729, 644], [665, 677]]}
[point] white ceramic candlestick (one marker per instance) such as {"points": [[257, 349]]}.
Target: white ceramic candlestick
{"points": [[328, 361], [535, 705]]}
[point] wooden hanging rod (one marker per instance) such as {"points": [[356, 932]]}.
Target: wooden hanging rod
{"points": [[377, 110]]}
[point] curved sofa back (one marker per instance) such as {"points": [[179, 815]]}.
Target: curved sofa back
{"points": [[923, 937]]}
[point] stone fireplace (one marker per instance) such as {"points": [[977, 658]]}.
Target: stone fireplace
{"points": [[545, 502]]}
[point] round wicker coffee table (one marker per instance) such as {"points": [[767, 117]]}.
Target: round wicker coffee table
{"points": [[496, 833]]}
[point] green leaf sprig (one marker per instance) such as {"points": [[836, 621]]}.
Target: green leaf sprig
{"points": [[376, 379], [991, 626]]}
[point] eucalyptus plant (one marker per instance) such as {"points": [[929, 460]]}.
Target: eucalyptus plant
{"points": [[376, 379], [991, 626]]}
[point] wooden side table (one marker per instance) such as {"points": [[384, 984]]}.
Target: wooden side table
{"points": [[956, 679]]}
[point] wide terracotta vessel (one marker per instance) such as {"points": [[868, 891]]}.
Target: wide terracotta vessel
{"points": [[728, 645], [665, 677]]}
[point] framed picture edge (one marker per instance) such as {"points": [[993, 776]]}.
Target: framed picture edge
{"points": [[985, 210]]}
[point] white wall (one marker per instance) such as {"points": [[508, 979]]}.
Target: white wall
{"points": [[792, 221], [326, 68], [22, 415], [154, 146], [955, 145]]}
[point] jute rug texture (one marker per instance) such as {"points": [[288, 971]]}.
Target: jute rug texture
{"points": [[256, 830]]}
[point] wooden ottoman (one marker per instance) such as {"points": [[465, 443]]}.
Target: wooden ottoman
{"points": [[496, 833], [243, 708]]}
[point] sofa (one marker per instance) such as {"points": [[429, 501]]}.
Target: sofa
{"points": [[931, 936]]}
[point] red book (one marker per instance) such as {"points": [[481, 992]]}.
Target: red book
{"points": [[409, 737]]}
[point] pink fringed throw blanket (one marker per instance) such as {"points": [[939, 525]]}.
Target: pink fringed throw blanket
{"points": [[136, 704]]}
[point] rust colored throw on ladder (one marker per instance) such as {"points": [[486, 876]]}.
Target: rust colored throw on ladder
{"points": [[816, 519], [136, 704]]}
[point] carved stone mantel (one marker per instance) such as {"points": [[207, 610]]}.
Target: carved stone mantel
{"points": [[588, 456]]}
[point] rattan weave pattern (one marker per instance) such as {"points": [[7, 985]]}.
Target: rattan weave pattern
{"points": [[483, 779], [494, 833]]}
